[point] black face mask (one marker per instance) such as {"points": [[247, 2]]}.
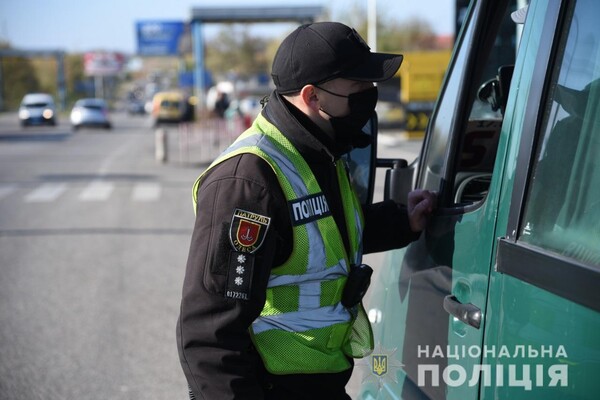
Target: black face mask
{"points": [[348, 129]]}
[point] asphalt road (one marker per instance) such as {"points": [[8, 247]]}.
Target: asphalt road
{"points": [[94, 235]]}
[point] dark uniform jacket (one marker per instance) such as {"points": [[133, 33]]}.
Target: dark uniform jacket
{"points": [[216, 352]]}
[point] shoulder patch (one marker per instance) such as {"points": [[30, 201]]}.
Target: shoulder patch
{"points": [[248, 230]]}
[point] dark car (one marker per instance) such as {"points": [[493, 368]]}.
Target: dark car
{"points": [[136, 107]]}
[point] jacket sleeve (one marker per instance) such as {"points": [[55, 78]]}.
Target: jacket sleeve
{"points": [[214, 344], [386, 227]]}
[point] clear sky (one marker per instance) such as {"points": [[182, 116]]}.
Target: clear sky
{"points": [[88, 25]]}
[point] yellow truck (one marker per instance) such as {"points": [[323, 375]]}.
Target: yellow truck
{"points": [[421, 76]]}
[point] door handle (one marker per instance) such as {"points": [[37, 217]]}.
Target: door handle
{"points": [[467, 313]]}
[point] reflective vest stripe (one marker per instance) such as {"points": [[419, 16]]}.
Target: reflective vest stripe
{"points": [[309, 298], [359, 251], [329, 273], [301, 321], [309, 285]]}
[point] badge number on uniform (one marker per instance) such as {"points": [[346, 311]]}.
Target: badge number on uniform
{"points": [[248, 230]]}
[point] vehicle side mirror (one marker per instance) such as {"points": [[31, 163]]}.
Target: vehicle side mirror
{"points": [[489, 92], [495, 91], [399, 179]]}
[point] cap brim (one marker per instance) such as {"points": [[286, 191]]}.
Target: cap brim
{"points": [[377, 67]]}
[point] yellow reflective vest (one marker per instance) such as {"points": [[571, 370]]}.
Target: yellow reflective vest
{"points": [[303, 327]]}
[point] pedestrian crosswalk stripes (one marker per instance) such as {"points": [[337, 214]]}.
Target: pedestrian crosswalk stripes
{"points": [[97, 191], [94, 191], [45, 193], [146, 192]]}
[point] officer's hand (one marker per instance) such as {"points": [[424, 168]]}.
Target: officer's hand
{"points": [[421, 204]]}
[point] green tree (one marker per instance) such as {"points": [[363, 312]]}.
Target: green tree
{"points": [[412, 35], [236, 51], [392, 35], [18, 77], [46, 70]]}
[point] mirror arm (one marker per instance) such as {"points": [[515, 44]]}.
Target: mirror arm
{"points": [[391, 163]]}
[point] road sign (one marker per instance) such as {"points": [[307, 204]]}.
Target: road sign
{"points": [[159, 38]]}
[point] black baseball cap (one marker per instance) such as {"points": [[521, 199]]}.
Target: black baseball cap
{"points": [[322, 51]]}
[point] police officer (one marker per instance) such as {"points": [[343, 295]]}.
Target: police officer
{"points": [[279, 230]]}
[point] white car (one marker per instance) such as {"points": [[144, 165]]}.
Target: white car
{"points": [[37, 109], [91, 113]]}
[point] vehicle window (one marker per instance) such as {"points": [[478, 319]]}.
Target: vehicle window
{"points": [[36, 105], [358, 163], [170, 103], [562, 207], [467, 174], [433, 162]]}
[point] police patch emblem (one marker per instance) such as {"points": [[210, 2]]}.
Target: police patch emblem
{"points": [[379, 364], [248, 230]]}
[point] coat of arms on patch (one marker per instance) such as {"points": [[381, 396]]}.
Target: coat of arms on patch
{"points": [[248, 230], [379, 364]]}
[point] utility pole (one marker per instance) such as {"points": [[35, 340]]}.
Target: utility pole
{"points": [[1, 88], [372, 24]]}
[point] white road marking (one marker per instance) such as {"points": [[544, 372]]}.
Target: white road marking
{"points": [[47, 192], [146, 192], [97, 191]]}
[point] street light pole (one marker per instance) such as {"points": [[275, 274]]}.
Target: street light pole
{"points": [[372, 24]]}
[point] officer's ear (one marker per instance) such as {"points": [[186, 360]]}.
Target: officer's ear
{"points": [[308, 97]]}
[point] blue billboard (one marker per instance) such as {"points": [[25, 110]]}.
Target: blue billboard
{"points": [[159, 38]]}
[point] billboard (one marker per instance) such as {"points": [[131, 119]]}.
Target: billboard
{"points": [[103, 63], [159, 38]]}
